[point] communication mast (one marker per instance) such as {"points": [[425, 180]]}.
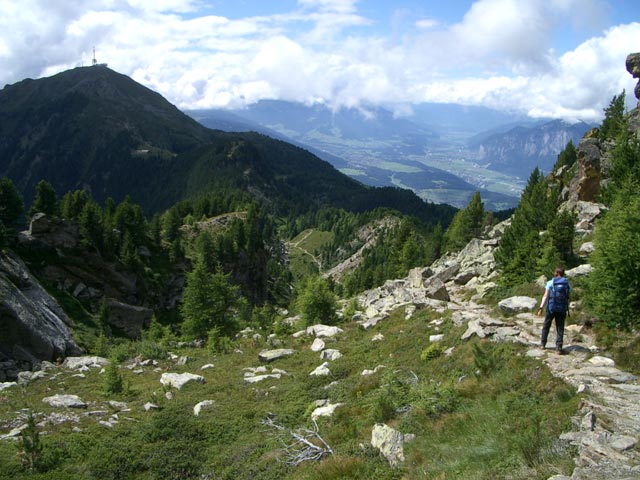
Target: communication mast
{"points": [[94, 62]]}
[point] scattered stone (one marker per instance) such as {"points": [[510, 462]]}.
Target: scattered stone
{"points": [[389, 442], [317, 345], [321, 371], [330, 354], [14, 433], [449, 351], [4, 385], [271, 355], [586, 249], [26, 377], [517, 304], [579, 271], [409, 311], [179, 380], [104, 423], [326, 410], [260, 378], [150, 406], [182, 361], [366, 373], [75, 363], [204, 404], [68, 401], [207, 366], [119, 406], [436, 290], [321, 330], [168, 395], [436, 338], [473, 328], [602, 361], [623, 443], [378, 337]]}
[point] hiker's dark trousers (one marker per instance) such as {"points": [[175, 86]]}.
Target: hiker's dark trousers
{"points": [[559, 317]]}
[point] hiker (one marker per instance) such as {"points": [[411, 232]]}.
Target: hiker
{"points": [[556, 296]]}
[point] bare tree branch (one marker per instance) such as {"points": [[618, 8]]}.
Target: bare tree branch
{"points": [[307, 444]]}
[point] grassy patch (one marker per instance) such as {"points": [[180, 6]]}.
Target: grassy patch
{"points": [[498, 424]]}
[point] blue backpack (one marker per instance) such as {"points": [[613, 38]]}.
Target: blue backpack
{"points": [[559, 296]]}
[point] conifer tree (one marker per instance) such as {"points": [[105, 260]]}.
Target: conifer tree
{"points": [[614, 285], [613, 122], [208, 300], [72, 204], [45, 200], [91, 226], [466, 224], [520, 246], [317, 303], [10, 203]]}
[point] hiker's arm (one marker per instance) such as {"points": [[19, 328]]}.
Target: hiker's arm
{"points": [[544, 300]]}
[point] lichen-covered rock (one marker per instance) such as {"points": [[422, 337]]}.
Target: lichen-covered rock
{"points": [[271, 355], [179, 380], [389, 442], [67, 401], [76, 363], [517, 304]]}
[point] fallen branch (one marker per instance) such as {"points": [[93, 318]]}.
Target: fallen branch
{"points": [[307, 444]]}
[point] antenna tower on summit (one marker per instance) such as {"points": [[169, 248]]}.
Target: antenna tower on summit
{"points": [[94, 62]]}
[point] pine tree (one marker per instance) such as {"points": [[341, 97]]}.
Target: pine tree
{"points": [[613, 122], [521, 246], [317, 303], [10, 203], [208, 300], [72, 204], [466, 224], [45, 200], [567, 157], [91, 226], [32, 447], [614, 285]]}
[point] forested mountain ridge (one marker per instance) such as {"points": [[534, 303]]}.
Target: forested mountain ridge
{"points": [[94, 129]]}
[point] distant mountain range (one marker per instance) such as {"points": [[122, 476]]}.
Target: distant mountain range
{"points": [[444, 153], [372, 145], [94, 129], [520, 149]]}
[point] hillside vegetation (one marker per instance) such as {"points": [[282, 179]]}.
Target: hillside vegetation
{"points": [[299, 364]]}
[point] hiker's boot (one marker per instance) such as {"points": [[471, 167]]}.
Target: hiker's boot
{"points": [[559, 351]]}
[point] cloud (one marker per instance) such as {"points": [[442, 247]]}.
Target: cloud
{"points": [[499, 54]]}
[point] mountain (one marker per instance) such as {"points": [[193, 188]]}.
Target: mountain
{"points": [[373, 145], [92, 128], [519, 150]]}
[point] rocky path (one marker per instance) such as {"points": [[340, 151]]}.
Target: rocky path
{"points": [[607, 427], [306, 252]]}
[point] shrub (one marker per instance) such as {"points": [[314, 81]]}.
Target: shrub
{"points": [[432, 351], [113, 382], [31, 452], [317, 303]]}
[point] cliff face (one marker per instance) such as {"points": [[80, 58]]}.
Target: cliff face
{"points": [[33, 326]]}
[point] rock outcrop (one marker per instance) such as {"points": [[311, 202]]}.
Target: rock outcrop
{"points": [[633, 67], [34, 327]]}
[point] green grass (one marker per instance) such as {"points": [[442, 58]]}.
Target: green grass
{"points": [[303, 247], [500, 425]]}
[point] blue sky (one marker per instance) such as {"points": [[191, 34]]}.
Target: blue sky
{"points": [[545, 58]]}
